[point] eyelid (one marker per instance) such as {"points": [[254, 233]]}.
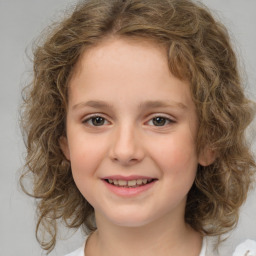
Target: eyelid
{"points": [[165, 116], [150, 118], [94, 115]]}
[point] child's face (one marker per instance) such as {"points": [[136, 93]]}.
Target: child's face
{"points": [[130, 120]]}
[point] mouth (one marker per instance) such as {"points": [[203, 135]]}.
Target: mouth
{"points": [[129, 186], [129, 183]]}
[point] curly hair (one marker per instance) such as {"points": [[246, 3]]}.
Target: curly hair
{"points": [[199, 50]]}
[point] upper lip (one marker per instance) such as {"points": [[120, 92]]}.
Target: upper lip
{"points": [[127, 178]]}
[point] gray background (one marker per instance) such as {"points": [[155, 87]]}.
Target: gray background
{"points": [[20, 23]]}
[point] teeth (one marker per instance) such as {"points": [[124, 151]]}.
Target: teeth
{"points": [[123, 183], [139, 182], [144, 181], [130, 183]]}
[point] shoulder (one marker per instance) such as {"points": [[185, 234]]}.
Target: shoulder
{"points": [[210, 248], [78, 252], [247, 248]]}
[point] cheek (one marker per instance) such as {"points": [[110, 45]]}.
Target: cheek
{"points": [[85, 155], [175, 155]]}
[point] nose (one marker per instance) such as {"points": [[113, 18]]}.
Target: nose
{"points": [[127, 148]]}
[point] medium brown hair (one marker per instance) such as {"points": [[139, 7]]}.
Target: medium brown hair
{"points": [[199, 50]]}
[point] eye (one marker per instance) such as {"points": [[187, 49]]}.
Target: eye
{"points": [[160, 121], [96, 121]]}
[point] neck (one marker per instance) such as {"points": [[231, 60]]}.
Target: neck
{"points": [[157, 238]]}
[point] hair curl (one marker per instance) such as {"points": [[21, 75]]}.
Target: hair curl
{"points": [[199, 50]]}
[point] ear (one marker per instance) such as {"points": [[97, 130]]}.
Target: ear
{"points": [[207, 156], [63, 142]]}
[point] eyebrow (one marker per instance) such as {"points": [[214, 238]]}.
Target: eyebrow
{"points": [[93, 104], [162, 104], [143, 105]]}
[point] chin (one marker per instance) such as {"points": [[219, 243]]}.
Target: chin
{"points": [[131, 219]]}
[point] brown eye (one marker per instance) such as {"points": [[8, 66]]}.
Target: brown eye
{"points": [[159, 121], [98, 121], [95, 121]]}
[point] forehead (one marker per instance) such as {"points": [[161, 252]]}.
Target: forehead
{"points": [[113, 49], [127, 67]]}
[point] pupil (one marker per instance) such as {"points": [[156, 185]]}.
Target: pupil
{"points": [[159, 121], [97, 121]]}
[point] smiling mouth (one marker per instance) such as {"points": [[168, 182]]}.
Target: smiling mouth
{"points": [[129, 183]]}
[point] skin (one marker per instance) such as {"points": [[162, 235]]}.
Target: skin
{"points": [[126, 84]]}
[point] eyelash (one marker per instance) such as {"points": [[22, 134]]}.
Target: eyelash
{"points": [[166, 120], [88, 121]]}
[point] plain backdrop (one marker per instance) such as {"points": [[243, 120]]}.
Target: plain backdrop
{"points": [[20, 23]]}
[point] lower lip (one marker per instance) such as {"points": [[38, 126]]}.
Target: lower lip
{"points": [[129, 192]]}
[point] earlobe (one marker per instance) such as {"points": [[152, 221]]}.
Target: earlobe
{"points": [[63, 142], [207, 157]]}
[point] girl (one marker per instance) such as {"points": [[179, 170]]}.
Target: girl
{"points": [[134, 128]]}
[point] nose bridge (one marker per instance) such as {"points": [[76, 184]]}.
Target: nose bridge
{"points": [[127, 147]]}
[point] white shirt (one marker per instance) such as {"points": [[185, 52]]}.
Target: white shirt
{"points": [[247, 248]]}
